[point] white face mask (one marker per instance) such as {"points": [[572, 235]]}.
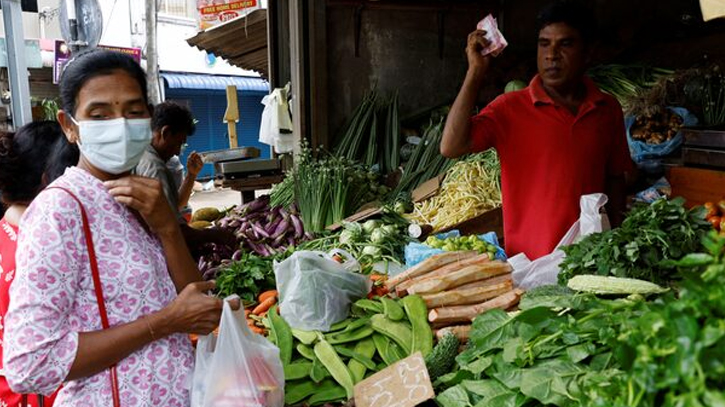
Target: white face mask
{"points": [[114, 146]]}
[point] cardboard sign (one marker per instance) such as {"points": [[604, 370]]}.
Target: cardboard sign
{"points": [[427, 189], [403, 384]]}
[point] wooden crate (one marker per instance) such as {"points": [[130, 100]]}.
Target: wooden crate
{"points": [[697, 185]]}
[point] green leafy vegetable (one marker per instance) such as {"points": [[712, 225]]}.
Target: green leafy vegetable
{"points": [[247, 277]]}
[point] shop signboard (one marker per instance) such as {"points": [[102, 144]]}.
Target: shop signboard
{"points": [[215, 12], [63, 54]]}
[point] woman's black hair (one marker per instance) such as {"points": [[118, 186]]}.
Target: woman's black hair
{"points": [[572, 13], [93, 63], [23, 157], [64, 155]]}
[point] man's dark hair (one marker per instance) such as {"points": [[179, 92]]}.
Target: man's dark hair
{"points": [[572, 13], [93, 63], [176, 116]]}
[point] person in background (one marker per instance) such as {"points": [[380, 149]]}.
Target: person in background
{"points": [[185, 183], [171, 124], [24, 156], [558, 139], [150, 285]]}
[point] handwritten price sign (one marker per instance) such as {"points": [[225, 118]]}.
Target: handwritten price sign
{"points": [[403, 384]]}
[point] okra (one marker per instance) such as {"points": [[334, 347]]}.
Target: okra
{"points": [[331, 360], [305, 351], [417, 313], [298, 370], [392, 309], [318, 372], [322, 396], [306, 337], [399, 332], [366, 361], [353, 336], [366, 348]]}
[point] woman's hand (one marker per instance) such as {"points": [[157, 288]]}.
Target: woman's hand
{"points": [[193, 311], [146, 196], [194, 164]]}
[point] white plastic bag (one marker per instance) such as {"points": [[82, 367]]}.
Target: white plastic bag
{"points": [[239, 368], [276, 125], [545, 270], [315, 291]]}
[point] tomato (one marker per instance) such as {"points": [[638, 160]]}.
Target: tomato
{"points": [[711, 210], [715, 221]]}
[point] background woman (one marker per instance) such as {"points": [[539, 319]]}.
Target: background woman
{"points": [[23, 158]]}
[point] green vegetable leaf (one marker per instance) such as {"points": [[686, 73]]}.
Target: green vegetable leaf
{"points": [[456, 396]]}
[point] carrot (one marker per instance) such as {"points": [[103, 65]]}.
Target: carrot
{"points": [[269, 293], [264, 305], [256, 330], [247, 312]]}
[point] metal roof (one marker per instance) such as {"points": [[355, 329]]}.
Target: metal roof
{"points": [[214, 82], [241, 41]]}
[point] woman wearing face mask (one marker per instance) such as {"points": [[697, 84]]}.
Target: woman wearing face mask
{"points": [[23, 157], [140, 353]]}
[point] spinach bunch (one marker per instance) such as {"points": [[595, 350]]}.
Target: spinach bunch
{"points": [[247, 277], [648, 237]]}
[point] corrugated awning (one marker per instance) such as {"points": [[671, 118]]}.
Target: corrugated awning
{"points": [[214, 82], [241, 41]]}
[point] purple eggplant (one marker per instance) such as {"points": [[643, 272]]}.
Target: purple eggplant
{"points": [[283, 213], [237, 255], [309, 236], [210, 274], [299, 230], [234, 223], [260, 230], [278, 241]]}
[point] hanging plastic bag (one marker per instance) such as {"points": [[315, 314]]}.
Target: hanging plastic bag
{"points": [[641, 152], [545, 270], [315, 291], [238, 368]]}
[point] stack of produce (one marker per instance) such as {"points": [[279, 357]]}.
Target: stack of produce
{"points": [[425, 162], [374, 123], [246, 276], [369, 242], [462, 243], [656, 128], [324, 367], [649, 237], [626, 82], [256, 313], [458, 286], [329, 189], [715, 214], [471, 188], [577, 350]]}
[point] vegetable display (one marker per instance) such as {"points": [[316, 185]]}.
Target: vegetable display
{"points": [[626, 82], [471, 188], [656, 128], [247, 277], [323, 367], [648, 237], [572, 350], [461, 243], [715, 214]]}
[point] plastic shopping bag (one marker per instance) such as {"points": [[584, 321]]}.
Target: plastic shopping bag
{"points": [[545, 270], [239, 368], [316, 291]]}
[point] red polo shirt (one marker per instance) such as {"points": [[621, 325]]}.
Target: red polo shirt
{"points": [[549, 159]]}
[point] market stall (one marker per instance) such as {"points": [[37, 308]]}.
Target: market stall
{"points": [[377, 269]]}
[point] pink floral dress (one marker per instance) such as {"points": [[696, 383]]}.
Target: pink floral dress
{"points": [[52, 299]]}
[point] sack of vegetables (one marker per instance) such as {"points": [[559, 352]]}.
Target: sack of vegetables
{"points": [[658, 134]]}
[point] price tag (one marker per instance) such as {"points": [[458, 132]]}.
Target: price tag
{"points": [[403, 384]]}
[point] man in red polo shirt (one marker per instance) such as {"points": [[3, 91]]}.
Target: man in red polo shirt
{"points": [[558, 139]]}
